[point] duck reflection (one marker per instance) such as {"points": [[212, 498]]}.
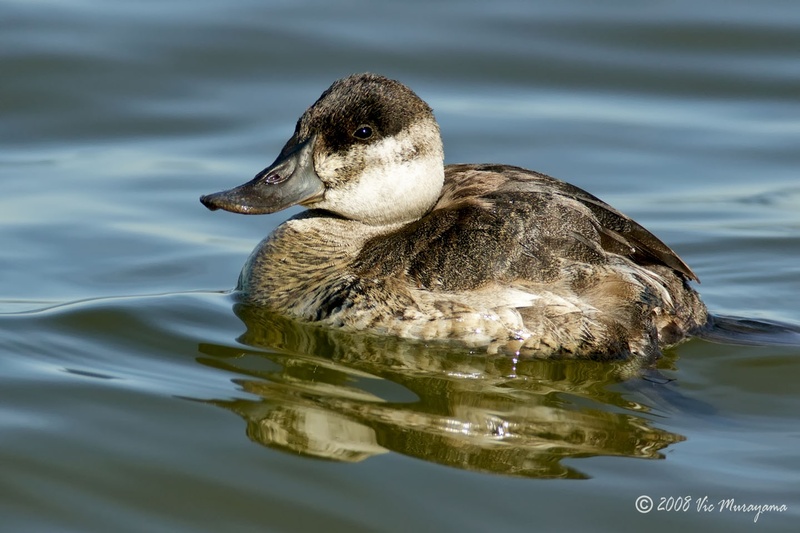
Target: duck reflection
{"points": [[345, 397]]}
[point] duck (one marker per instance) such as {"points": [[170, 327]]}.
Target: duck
{"points": [[493, 258]]}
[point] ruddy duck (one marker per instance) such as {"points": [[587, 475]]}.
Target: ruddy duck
{"points": [[494, 257]]}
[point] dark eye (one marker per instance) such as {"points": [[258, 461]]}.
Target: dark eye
{"points": [[363, 132]]}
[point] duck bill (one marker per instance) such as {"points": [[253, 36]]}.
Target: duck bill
{"points": [[290, 180]]}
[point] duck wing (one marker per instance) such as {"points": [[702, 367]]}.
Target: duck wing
{"points": [[617, 229], [504, 223]]}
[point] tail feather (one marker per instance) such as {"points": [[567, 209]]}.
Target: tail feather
{"points": [[750, 332]]}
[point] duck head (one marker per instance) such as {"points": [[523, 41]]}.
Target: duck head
{"points": [[368, 149]]}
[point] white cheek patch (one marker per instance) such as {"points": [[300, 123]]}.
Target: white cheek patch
{"points": [[397, 184], [328, 165]]}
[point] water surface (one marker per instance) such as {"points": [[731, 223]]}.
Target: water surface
{"points": [[137, 395]]}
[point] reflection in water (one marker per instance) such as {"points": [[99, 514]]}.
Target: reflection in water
{"points": [[346, 397]]}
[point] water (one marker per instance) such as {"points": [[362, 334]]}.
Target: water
{"points": [[136, 396]]}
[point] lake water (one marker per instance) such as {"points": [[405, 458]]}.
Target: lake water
{"points": [[136, 396]]}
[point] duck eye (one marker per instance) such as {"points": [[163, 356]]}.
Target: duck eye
{"points": [[363, 132]]}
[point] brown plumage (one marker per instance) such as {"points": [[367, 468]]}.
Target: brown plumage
{"points": [[502, 258]]}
